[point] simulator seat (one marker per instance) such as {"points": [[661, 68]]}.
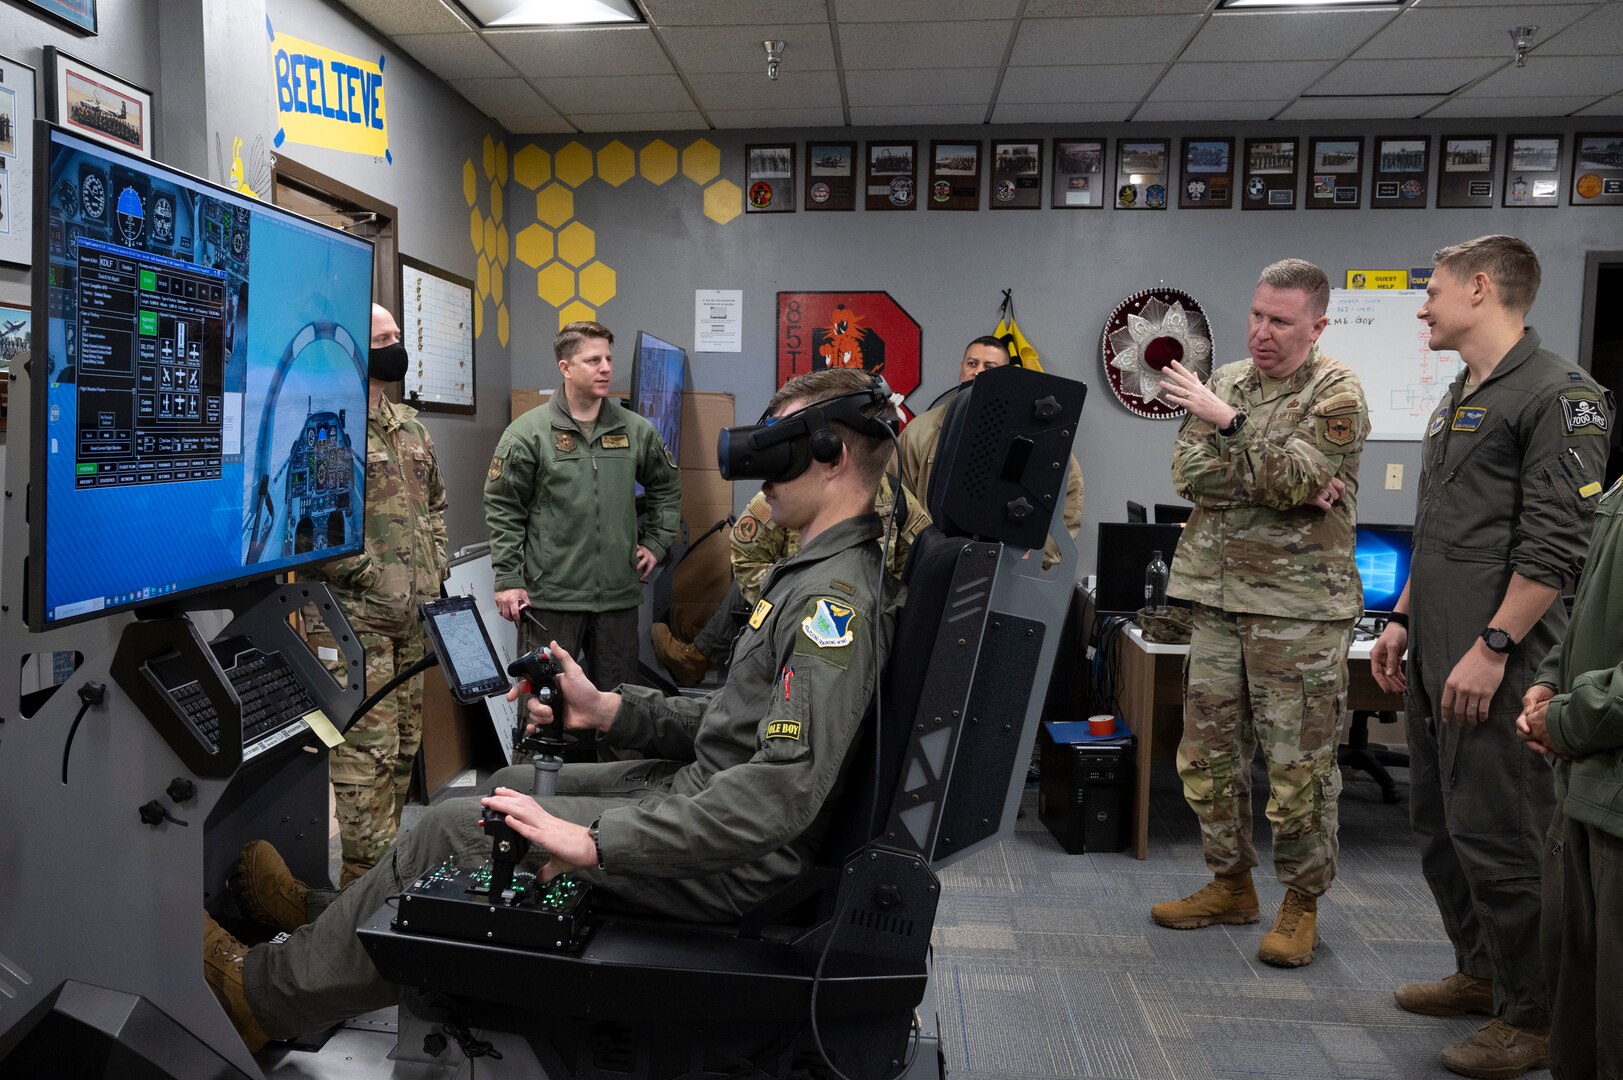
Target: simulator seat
{"points": [[837, 963]]}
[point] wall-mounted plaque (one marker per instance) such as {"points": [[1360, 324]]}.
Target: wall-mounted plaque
{"points": [[1141, 174], [1465, 173], [1017, 175], [1532, 170], [1400, 170], [892, 181], [769, 178], [1079, 174], [831, 176], [955, 175], [1597, 170], [1208, 175], [1270, 174], [1335, 173]]}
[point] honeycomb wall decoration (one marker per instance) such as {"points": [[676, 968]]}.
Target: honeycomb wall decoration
{"points": [[487, 232]]}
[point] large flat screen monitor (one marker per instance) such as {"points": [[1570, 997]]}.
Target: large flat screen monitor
{"points": [[1124, 552], [198, 414], [1383, 553], [657, 374]]}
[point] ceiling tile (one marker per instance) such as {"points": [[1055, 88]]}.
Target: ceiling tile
{"points": [[1612, 106], [1041, 9], [791, 90], [1082, 41], [704, 50], [941, 86], [641, 121], [922, 45], [1096, 82], [622, 50], [776, 118], [1208, 110], [535, 123], [1239, 82], [1600, 34], [1468, 31], [853, 11], [1315, 35], [1553, 76], [499, 97], [409, 16], [870, 116], [1360, 107], [1096, 112], [734, 12], [613, 93], [1433, 76], [1528, 106], [455, 56]]}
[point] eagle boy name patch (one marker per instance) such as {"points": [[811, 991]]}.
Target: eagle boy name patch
{"points": [[829, 624]]}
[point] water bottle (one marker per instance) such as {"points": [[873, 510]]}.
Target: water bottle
{"points": [[1155, 582]]}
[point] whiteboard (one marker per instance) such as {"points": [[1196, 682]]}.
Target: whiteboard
{"points": [[1375, 332], [436, 323], [472, 575]]}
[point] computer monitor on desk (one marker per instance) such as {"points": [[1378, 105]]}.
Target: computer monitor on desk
{"points": [[1136, 514], [1172, 513], [1382, 553], [1124, 551]]}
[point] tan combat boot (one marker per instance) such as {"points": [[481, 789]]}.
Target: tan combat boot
{"points": [[222, 968], [267, 890], [1296, 931], [1230, 898], [686, 664], [1498, 1051], [1454, 996]]}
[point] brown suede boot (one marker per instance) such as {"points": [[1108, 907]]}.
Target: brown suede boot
{"points": [[222, 968], [269, 893], [686, 664], [1454, 996], [1296, 931], [1230, 898], [1498, 1051]]}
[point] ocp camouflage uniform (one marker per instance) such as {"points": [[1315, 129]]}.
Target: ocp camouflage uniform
{"points": [[379, 590], [1276, 593]]}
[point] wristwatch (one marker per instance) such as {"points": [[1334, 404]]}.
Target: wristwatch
{"points": [[1398, 617], [597, 851], [1232, 428], [1499, 641]]}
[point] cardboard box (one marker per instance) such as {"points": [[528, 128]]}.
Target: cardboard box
{"points": [[704, 414]]}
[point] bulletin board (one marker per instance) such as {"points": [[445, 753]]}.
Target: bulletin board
{"points": [[1375, 332], [436, 323]]}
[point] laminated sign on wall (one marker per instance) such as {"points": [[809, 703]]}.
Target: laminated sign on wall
{"points": [[327, 98]]}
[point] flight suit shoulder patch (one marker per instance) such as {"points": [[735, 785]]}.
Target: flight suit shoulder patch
{"points": [[1438, 419], [495, 472], [827, 628], [616, 442], [1583, 414]]}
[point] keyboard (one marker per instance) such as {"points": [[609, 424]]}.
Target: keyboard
{"points": [[274, 700]]}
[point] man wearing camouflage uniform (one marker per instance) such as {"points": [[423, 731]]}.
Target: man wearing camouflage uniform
{"points": [[1509, 479], [379, 590], [1269, 456]]}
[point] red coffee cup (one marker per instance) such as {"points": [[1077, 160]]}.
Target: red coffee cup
{"points": [[1104, 724]]}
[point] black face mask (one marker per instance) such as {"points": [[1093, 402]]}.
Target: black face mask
{"points": [[387, 363]]}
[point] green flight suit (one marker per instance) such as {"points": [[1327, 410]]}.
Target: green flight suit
{"points": [[729, 805]]}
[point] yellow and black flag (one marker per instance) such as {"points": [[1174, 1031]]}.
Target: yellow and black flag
{"points": [[1021, 352]]}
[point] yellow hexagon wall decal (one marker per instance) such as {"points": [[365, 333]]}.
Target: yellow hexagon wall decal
{"points": [[597, 283], [723, 201], [497, 285], [490, 158], [470, 182], [701, 161], [576, 244], [502, 246], [478, 316], [476, 229], [555, 204], [496, 201], [534, 245], [501, 163], [573, 164], [482, 277], [616, 163], [501, 323], [532, 167], [555, 283], [657, 161], [490, 238], [574, 311]]}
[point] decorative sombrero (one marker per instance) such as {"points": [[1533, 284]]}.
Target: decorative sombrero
{"points": [[1146, 332]]}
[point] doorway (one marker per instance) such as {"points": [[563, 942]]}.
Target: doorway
{"points": [[1600, 342], [321, 198]]}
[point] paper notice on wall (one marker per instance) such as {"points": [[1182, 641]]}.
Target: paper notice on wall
{"points": [[718, 324]]}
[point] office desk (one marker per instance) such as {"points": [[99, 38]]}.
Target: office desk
{"points": [[1150, 696]]}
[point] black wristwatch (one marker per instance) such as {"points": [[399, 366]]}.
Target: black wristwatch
{"points": [[1398, 617], [597, 850], [1232, 428], [1499, 641]]}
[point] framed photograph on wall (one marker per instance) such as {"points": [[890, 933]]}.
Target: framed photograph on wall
{"points": [[79, 14], [1141, 174], [769, 178], [16, 162], [1208, 174], [1335, 172], [955, 175], [1400, 168], [1465, 176], [831, 176], [1017, 175], [893, 176], [1079, 174], [1597, 169], [1532, 171], [97, 104], [1270, 174], [16, 346]]}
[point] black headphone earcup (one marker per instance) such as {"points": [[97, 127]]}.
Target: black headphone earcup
{"points": [[826, 445]]}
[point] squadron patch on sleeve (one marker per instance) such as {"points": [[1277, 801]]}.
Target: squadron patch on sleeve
{"points": [[1336, 429], [1583, 415], [826, 631], [1438, 419], [495, 472], [747, 529], [670, 458], [563, 441]]}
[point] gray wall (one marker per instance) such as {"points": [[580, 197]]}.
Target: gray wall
{"points": [[1068, 269]]}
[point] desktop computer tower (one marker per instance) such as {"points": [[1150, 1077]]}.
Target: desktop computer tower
{"points": [[1085, 788]]}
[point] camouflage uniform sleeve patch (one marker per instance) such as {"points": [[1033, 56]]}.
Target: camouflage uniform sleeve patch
{"points": [[747, 529]]}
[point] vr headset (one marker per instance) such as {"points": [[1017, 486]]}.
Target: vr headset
{"points": [[781, 448]]}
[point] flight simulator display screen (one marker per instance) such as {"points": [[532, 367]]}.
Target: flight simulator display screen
{"points": [[200, 407]]}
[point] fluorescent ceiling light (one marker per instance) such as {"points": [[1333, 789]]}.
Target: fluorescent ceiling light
{"points": [[1305, 5], [552, 12]]}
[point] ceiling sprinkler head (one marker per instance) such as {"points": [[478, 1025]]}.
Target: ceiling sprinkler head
{"points": [[1523, 37], [774, 53]]}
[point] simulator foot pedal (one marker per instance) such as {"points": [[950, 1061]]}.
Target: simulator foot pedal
{"points": [[454, 903]]}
